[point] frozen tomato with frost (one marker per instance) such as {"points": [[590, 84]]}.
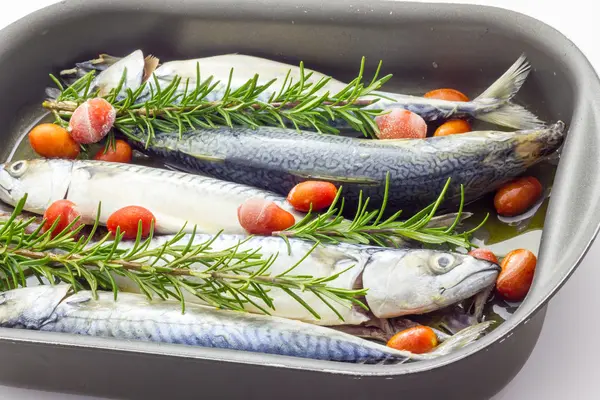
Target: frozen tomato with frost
{"points": [[92, 120], [128, 219], [263, 217], [401, 124], [120, 152], [317, 194], [65, 213]]}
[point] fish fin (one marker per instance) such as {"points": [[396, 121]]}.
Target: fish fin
{"points": [[513, 116], [461, 339], [505, 87], [205, 157], [498, 96], [340, 179], [150, 65], [442, 221]]}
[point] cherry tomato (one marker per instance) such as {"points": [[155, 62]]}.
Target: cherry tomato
{"points": [[92, 120], [127, 219], [262, 217], [316, 193], [453, 127], [484, 254], [53, 141], [418, 340], [120, 152], [516, 277], [446, 94], [64, 211], [401, 124], [517, 196]]}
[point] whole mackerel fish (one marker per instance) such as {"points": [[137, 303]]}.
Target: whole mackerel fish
{"points": [[277, 159], [134, 317], [399, 282], [493, 105], [176, 199]]}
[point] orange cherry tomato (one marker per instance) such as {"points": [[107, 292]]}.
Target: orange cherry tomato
{"points": [[446, 94], [63, 211], [453, 127], [127, 219], [401, 124], [484, 254], [516, 277], [517, 196], [418, 340], [316, 193], [53, 141], [262, 217], [120, 152]]}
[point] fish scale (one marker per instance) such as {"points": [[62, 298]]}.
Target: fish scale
{"points": [[277, 159], [133, 317]]}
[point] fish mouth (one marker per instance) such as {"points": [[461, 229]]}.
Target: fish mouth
{"points": [[473, 276], [7, 190]]}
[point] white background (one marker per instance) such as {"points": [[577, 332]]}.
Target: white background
{"points": [[564, 364]]}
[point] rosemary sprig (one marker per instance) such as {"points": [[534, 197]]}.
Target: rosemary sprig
{"points": [[183, 105], [369, 227], [230, 278]]}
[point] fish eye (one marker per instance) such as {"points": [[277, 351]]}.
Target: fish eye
{"points": [[17, 169], [442, 262]]}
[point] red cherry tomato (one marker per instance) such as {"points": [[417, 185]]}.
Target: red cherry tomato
{"points": [[316, 193], [417, 340], [121, 153], [517, 196], [484, 254], [63, 211], [127, 219], [516, 277], [262, 217]]}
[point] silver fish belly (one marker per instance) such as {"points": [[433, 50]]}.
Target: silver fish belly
{"points": [[277, 159], [398, 281], [174, 198], [134, 317]]}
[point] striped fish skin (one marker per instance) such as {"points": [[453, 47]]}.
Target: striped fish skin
{"points": [[277, 159], [493, 105], [173, 197], [399, 282], [134, 317]]}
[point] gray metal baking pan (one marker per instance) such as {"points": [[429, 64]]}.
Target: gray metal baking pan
{"points": [[424, 46]]}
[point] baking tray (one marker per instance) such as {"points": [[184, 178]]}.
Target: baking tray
{"points": [[424, 46]]}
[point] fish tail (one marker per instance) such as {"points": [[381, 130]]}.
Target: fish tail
{"points": [[461, 339], [494, 104], [512, 116]]}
